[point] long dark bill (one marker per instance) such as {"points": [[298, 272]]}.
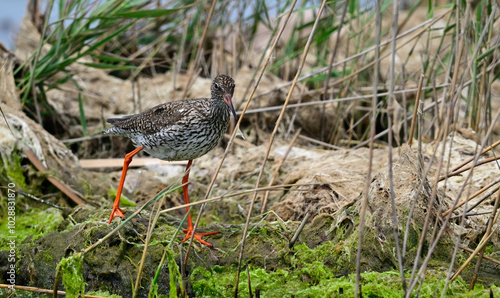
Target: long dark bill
{"points": [[228, 100]]}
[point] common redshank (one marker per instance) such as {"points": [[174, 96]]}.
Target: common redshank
{"points": [[177, 130]]}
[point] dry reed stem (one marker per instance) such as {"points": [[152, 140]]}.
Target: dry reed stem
{"points": [[424, 26], [151, 226], [330, 67], [481, 252], [441, 136], [444, 225], [294, 114], [482, 162], [413, 278], [345, 99], [390, 103], [250, 294], [489, 194], [479, 247], [247, 191], [327, 145], [273, 134], [472, 158], [192, 66], [486, 257], [417, 101], [480, 191], [364, 202]]}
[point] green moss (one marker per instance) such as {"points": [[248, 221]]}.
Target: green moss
{"points": [[103, 294], [35, 222], [316, 280], [322, 253], [13, 170], [490, 249], [72, 275]]}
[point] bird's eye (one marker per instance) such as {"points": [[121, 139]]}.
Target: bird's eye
{"points": [[217, 86]]}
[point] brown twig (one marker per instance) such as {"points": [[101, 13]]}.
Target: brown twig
{"points": [[461, 170], [56, 280], [40, 290], [480, 191], [485, 257], [62, 187], [472, 158], [249, 283], [299, 230]]}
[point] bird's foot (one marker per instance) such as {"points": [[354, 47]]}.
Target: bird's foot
{"points": [[114, 213], [198, 236]]}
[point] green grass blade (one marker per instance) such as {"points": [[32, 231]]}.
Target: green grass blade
{"points": [[110, 66], [153, 13], [83, 120]]}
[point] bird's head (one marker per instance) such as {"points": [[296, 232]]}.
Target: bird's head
{"points": [[223, 89]]}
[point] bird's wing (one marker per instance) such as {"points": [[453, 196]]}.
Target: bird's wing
{"points": [[157, 118]]}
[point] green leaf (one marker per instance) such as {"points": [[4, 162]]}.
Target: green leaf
{"points": [[353, 4], [105, 40]]}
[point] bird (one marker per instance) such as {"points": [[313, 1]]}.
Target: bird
{"points": [[177, 131]]}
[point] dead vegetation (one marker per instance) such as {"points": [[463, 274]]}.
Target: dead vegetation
{"points": [[366, 208]]}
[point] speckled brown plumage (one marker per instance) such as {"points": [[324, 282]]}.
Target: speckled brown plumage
{"points": [[180, 130]]}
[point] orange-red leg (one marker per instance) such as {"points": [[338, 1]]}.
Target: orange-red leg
{"points": [[189, 231], [128, 158]]}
